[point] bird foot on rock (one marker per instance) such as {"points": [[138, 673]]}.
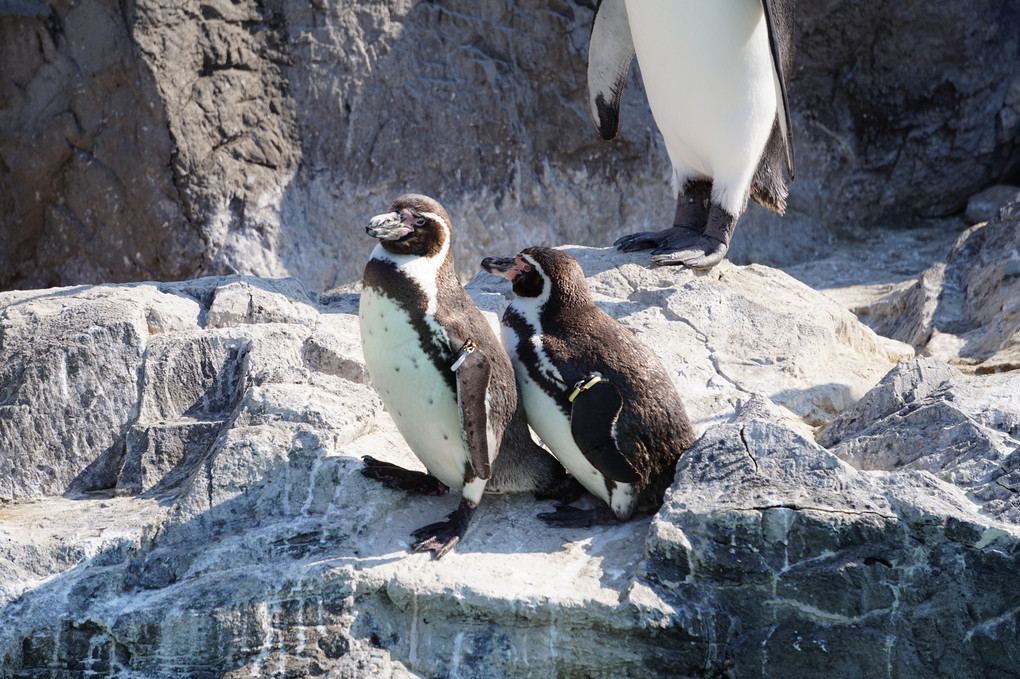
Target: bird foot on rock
{"points": [[673, 238], [705, 253], [398, 478], [442, 536], [567, 516]]}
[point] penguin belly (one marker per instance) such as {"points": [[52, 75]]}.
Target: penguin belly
{"points": [[709, 80], [553, 427], [416, 395]]}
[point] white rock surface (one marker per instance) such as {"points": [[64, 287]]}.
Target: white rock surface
{"points": [[215, 523]]}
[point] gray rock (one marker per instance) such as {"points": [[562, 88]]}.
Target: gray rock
{"points": [[964, 311], [136, 381], [87, 193], [984, 206], [235, 537], [925, 415], [167, 141], [779, 559]]}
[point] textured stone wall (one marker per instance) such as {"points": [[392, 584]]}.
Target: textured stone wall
{"points": [[167, 140]]}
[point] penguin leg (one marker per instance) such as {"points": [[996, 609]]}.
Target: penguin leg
{"points": [[398, 478], [710, 247], [689, 222], [443, 536], [567, 516]]}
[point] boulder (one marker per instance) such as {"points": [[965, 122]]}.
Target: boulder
{"points": [[984, 206], [965, 310], [167, 140], [926, 415], [206, 516], [780, 559]]}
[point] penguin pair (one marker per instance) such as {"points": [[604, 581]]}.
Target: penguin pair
{"points": [[599, 399], [715, 75]]}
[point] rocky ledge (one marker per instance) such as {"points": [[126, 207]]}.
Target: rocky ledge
{"points": [[181, 494]]}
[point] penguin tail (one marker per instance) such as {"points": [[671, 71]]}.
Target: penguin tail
{"points": [[771, 197]]}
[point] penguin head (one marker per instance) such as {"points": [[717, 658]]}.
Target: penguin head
{"points": [[542, 273], [415, 225]]}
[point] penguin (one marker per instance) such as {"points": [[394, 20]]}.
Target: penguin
{"points": [[716, 75], [441, 373], [597, 397]]}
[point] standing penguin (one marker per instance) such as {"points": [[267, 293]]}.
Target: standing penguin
{"points": [[441, 373], [597, 396], [715, 72]]}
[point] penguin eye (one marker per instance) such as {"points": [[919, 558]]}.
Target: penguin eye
{"points": [[526, 268], [420, 221]]}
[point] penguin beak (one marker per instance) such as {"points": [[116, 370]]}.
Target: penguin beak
{"points": [[391, 225], [505, 267]]}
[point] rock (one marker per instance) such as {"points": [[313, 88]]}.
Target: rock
{"points": [[964, 311], [871, 273], [925, 415], [173, 140], [228, 531], [138, 381], [779, 559], [984, 206], [87, 193]]}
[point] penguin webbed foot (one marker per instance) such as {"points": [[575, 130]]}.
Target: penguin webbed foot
{"points": [[568, 516], [396, 477], [566, 491], [704, 253], [667, 240], [642, 240], [442, 536]]}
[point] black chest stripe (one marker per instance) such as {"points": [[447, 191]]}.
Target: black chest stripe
{"points": [[529, 357], [386, 279]]}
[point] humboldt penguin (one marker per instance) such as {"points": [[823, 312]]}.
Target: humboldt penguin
{"points": [[441, 374], [715, 74], [596, 396]]}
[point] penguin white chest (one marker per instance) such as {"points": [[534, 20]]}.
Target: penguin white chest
{"points": [[416, 394], [710, 84]]}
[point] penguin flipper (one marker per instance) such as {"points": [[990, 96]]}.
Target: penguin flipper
{"points": [[592, 419], [610, 51], [779, 17], [472, 383]]}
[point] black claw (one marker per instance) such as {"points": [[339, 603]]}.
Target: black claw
{"points": [[665, 241], [398, 478], [704, 254], [680, 239], [642, 240], [567, 516], [635, 242], [441, 537]]}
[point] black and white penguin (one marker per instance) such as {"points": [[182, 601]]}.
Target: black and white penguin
{"points": [[715, 74], [599, 398], [441, 373]]}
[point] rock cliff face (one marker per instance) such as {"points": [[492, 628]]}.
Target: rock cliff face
{"points": [[163, 140], [182, 497]]}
